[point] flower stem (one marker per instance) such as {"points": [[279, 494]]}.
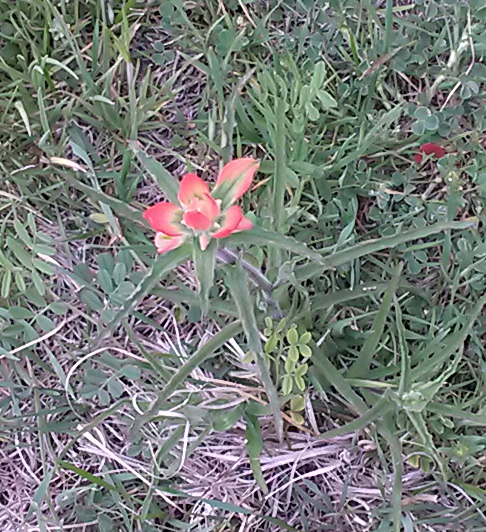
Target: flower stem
{"points": [[230, 257]]}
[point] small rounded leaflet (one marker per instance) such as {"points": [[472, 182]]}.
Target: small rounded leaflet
{"points": [[429, 148]]}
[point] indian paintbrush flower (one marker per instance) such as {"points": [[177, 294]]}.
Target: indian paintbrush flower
{"points": [[201, 212]]}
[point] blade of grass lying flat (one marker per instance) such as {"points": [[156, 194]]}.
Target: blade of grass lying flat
{"points": [[162, 265], [387, 429], [372, 246], [120, 207], [202, 354], [361, 366], [325, 301], [336, 379], [405, 377], [39, 495], [166, 182], [454, 411], [238, 285], [378, 410], [258, 235], [184, 295], [88, 476]]}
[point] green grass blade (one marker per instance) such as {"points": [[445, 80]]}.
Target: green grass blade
{"points": [[336, 379], [361, 366], [379, 409], [88, 476], [325, 301], [202, 354], [166, 182], [388, 430], [280, 174], [453, 342], [120, 207], [261, 236], [459, 413], [238, 286], [254, 446], [372, 246], [388, 25]]}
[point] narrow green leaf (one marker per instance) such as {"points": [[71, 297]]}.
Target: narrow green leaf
{"points": [[261, 236], [44, 266], [23, 114], [22, 255], [202, 354], [39, 494], [22, 233], [204, 264], [166, 182], [382, 406], [453, 342], [38, 283], [325, 301], [456, 412], [238, 285], [280, 166], [87, 476], [388, 430], [225, 420], [336, 379], [254, 446], [6, 284], [372, 246], [20, 313], [120, 207], [361, 365]]}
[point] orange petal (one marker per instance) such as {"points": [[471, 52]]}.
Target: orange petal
{"points": [[197, 221], [191, 187], [162, 216], [233, 216], [244, 225], [165, 243], [209, 207], [238, 174]]}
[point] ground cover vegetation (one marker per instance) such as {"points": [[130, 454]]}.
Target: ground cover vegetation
{"points": [[308, 353]]}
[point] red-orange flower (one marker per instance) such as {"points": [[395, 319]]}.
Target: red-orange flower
{"points": [[429, 148], [199, 212]]}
